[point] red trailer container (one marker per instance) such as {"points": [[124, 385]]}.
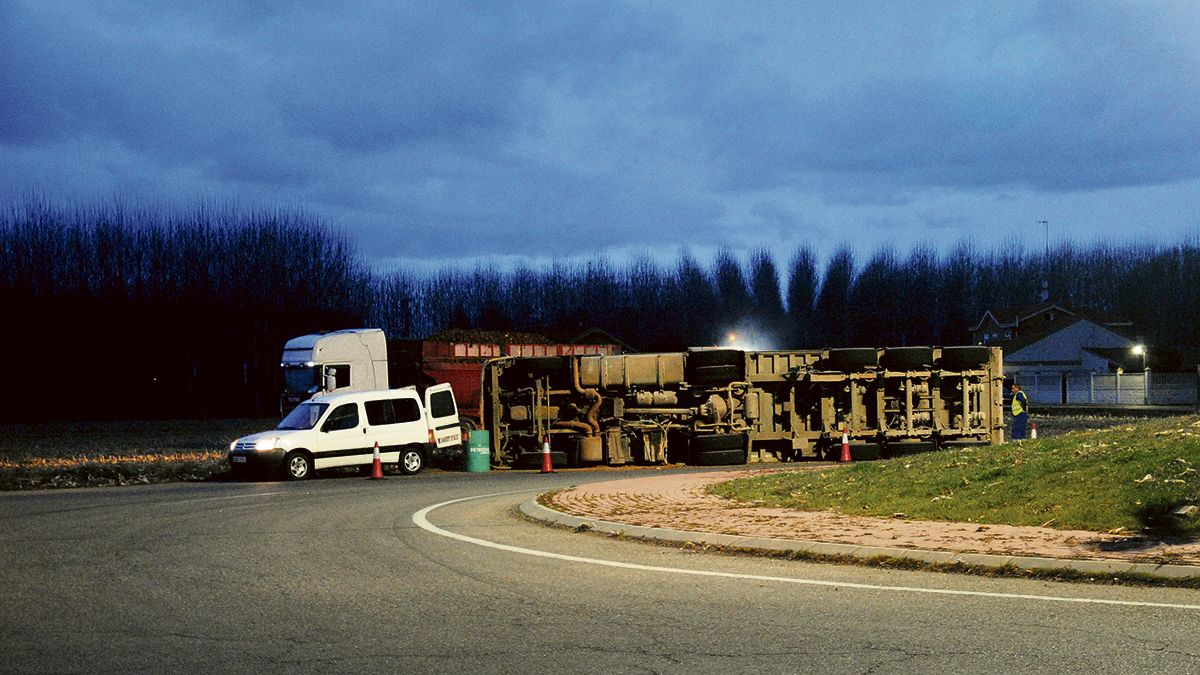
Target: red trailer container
{"points": [[461, 364]]}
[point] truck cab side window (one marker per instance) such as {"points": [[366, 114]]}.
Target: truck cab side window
{"points": [[341, 374], [342, 417]]}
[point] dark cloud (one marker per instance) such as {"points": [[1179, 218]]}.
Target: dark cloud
{"points": [[447, 129]]}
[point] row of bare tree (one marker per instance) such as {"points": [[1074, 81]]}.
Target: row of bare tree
{"points": [[129, 312], [886, 300], [119, 312]]}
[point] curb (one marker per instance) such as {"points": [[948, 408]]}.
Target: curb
{"points": [[774, 546]]}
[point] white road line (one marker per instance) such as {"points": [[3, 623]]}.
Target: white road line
{"points": [[420, 518]]}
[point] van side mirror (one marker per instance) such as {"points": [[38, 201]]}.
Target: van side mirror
{"points": [[330, 380]]}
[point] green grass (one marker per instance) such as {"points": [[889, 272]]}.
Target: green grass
{"points": [[1126, 478], [89, 454]]}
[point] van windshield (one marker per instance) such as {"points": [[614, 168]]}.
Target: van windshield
{"points": [[304, 416]]}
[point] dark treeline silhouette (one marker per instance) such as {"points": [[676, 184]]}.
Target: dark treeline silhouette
{"points": [[119, 312]]}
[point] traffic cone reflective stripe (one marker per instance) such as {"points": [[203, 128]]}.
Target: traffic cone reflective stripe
{"points": [[376, 464], [547, 463], [845, 445]]}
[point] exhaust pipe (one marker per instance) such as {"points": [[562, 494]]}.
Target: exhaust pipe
{"points": [[592, 422]]}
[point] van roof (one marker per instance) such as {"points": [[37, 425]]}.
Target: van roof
{"points": [[344, 397]]}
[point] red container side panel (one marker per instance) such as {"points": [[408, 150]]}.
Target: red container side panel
{"points": [[464, 379], [459, 350], [527, 350]]}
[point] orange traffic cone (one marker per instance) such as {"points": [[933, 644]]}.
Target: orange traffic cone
{"points": [[547, 463], [845, 445], [376, 464], [1033, 431]]}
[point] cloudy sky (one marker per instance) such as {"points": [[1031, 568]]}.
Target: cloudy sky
{"points": [[442, 132]]}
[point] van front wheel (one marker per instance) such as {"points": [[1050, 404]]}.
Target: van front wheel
{"points": [[411, 461], [297, 465]]}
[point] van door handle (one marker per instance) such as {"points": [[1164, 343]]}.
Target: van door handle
{"points": [[364, 430]]}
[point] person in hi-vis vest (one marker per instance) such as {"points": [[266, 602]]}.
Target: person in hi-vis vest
{"points": [[1020, 412]]}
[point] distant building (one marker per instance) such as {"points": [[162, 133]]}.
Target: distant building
{"points": [[1049, 338]]}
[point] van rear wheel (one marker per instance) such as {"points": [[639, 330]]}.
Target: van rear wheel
{"points": [[411, 461]]}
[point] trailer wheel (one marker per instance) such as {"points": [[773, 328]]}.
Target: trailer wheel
{"points": [[908, 358], [714, 366], [851, 359], [533, 460], [411, 461], [964, 358], [297, 465], [701, 358], [718, 450], [539, 366], [720, 458], [905, 448], [517, 375], [706, 375]]}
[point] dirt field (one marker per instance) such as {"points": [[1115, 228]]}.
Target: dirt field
{"points": [[77, 454]]}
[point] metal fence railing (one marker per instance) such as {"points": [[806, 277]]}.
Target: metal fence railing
{"points": [[1143, 388]]}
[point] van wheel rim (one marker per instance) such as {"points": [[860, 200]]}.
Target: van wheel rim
{"points": [[412, 461], [298, 467]]}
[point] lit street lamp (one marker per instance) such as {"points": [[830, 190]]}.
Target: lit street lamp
{"points": [[1140, 350]]}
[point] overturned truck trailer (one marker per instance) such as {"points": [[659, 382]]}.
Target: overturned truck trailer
{"points": [[727, 406]]}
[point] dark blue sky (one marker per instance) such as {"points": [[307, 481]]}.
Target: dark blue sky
{"points": [[448, 132]]}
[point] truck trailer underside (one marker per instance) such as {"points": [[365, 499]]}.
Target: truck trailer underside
{"points": [[727, 406]]}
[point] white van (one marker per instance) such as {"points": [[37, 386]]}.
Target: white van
{"points": [[342, 429]]}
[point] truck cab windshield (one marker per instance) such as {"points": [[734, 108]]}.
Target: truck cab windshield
{"points": [[301, 379], [303, 416]]}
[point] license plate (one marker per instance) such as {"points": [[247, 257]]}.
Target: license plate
{"points": [[237, 459]]}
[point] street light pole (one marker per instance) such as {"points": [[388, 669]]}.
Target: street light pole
{"points": [[1140, 350]]}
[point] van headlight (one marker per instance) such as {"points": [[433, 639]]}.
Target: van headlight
{"points": [[232, 445], [266, 443]]}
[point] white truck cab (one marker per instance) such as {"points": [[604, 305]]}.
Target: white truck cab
{"points": [[341, 429], [343, 360]]}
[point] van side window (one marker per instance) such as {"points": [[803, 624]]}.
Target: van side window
{"points": [[392, 411], [406, 409], [379, 413], [343, 417], [441, 404]]}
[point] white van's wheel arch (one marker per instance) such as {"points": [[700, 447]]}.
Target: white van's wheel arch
{"points": [[294, 460]]}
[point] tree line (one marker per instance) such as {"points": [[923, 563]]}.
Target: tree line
{"points": [[126, 312]]}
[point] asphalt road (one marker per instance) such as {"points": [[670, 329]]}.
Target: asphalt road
{"points": [[335, 574]]}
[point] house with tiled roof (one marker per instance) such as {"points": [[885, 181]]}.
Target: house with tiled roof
{"points": [[1052, 338]]}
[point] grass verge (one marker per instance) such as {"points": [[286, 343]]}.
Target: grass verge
{"points": [[1126, 478]]}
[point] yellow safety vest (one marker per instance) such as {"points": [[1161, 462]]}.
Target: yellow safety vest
{"points": [[1019, 401]]}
